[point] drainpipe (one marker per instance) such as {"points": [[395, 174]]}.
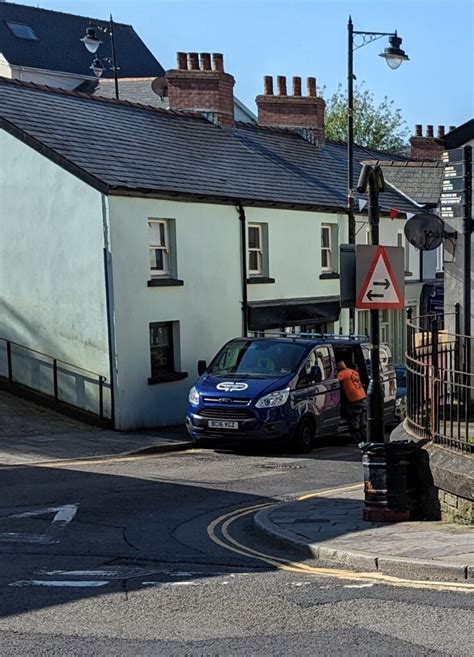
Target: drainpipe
{"points": [[243, 256], [109, 300]]}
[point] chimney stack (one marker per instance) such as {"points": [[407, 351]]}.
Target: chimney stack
{"points": [[296, 112], [199, 84], [427, 147]]}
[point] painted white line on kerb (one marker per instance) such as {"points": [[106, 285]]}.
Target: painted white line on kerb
{"points": [[58, 583]]}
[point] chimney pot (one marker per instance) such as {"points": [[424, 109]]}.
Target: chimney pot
{"points": [[429, 131], [281, 84], [193, 61], [311, 85], [419, 130], [218, 62], [268, 85], [182, 61], [296, 86], [452, 127], [205, 61], [440, 131]]}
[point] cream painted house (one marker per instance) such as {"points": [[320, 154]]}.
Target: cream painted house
{"points": [[138, 240]]}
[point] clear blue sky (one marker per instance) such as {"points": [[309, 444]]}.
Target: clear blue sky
{"points": [[308, 37]]}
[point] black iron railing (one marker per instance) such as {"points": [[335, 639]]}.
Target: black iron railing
{"points": [[440, 397], [63, 381]]}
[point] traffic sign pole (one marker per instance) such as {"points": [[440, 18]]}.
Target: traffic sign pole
{"points": [[371, 180]]}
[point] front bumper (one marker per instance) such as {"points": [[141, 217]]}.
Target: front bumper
{"points": [[249, 429]]}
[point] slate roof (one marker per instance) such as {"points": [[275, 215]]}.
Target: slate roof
{"points": [[419, 180], [137, 90], [58, 47], [117, 145]]}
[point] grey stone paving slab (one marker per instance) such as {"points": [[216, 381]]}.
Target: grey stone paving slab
{"points": [[423, 550], [32, 434]]}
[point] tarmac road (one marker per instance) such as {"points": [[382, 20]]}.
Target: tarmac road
{"points": [[115, 558]]}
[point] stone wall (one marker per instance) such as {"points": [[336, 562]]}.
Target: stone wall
{"points": [[455, 509]]}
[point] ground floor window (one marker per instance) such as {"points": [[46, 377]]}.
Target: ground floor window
{"points": [[161, 348]]}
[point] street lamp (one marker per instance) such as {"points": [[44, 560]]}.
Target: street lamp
{"points": [[394, 56], [92, 44]]}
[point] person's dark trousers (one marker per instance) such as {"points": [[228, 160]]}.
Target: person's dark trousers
{"points": [[358, 420]]}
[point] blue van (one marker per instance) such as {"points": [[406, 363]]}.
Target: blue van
{"points": [[284, 387]]}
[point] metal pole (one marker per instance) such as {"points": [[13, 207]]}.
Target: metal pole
{"points": [[114, 59], [243, 255], [467, 233], [375, 393], [350, 148]]}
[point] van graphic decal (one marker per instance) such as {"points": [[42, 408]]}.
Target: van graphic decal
{"points": [[231, 386]]}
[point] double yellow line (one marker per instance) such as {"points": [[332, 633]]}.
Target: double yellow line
{"points": [[219, 532]]}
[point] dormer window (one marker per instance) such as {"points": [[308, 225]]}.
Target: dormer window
{"points": [[22, 31]]}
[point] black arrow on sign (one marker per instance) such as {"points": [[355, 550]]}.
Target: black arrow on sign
{"points": [[371, 295], [386, 283]]}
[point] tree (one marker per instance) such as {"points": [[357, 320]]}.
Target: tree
{"points": [[381, 127]]}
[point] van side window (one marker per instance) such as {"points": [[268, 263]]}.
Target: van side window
{"points": [[320, 358]]}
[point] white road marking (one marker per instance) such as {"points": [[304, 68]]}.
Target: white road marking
{"points": [[358, 586], [60, 583], [62, 517]]}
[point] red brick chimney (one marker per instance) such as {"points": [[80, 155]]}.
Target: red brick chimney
{"points": [[198, 86], [427, 147], [297, 112]]}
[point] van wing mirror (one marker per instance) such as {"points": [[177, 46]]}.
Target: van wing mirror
{"points": [[316, 374], [201, 367]]}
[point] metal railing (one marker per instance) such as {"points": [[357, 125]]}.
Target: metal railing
{"points": [[65, 382], [440, 385]]}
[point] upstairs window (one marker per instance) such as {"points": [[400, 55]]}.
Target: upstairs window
{"points": [[255, 248], [326, 248], [159, 247], [22, 31]]}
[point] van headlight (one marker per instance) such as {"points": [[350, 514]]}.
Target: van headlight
{"points": [[193, 396], [277, 398]]}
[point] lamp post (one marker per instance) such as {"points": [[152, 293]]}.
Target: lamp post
{"points": [[92, 44], [394, 56], [371, 180]]}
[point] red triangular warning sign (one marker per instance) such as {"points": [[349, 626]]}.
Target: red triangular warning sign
{"points": [[380, 289]]}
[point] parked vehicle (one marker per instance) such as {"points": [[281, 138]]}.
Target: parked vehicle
{"points": [[401, 398], [282, 387]]}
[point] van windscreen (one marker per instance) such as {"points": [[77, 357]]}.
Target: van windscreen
{"points": [[258, 358]]}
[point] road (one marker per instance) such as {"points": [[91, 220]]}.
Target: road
{"points": [[120, 558]]}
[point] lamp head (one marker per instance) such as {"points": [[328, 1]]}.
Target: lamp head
{"points": [[90, 40], [394, 55], [97, 67]]}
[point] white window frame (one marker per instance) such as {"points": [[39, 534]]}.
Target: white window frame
{"points": [[440, 259], [401, 241], [166, 271], [328, 249], [258, 249]]}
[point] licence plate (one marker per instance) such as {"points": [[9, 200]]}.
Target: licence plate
{"points": [[222, 424]]}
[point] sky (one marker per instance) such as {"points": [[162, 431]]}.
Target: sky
{"points": [[309, 38]]}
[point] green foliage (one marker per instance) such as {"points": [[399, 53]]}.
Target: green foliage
{"points": [[381, 127]]}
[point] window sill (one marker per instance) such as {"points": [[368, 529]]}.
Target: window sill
{"points": [[164, 282], [329, 275], [408, 273], [256, 280], [167, 377]]}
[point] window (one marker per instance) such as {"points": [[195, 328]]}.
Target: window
{"points": [[368, 236], [402, 242], [161, 348], [363, 321], [384, 325], [326, 248], [164, 352], [329, 251], [22, 31], [440, 259], [255, 249], [159, 247]]}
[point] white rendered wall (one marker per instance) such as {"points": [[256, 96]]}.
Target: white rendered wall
{"points": [[52, 294]]}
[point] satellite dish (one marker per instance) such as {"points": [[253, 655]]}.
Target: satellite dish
{"points": [[160, 86], [425, 231]]}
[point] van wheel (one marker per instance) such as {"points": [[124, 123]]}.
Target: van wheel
{"points": [[303, 440]]}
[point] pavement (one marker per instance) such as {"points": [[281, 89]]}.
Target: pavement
{"points": [[329, 528], [31, 434]]}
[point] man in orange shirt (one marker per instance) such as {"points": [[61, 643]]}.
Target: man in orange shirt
{"points": [[354, 394]]}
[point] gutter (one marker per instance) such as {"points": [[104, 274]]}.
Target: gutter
{"points": [[243, 258]]}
